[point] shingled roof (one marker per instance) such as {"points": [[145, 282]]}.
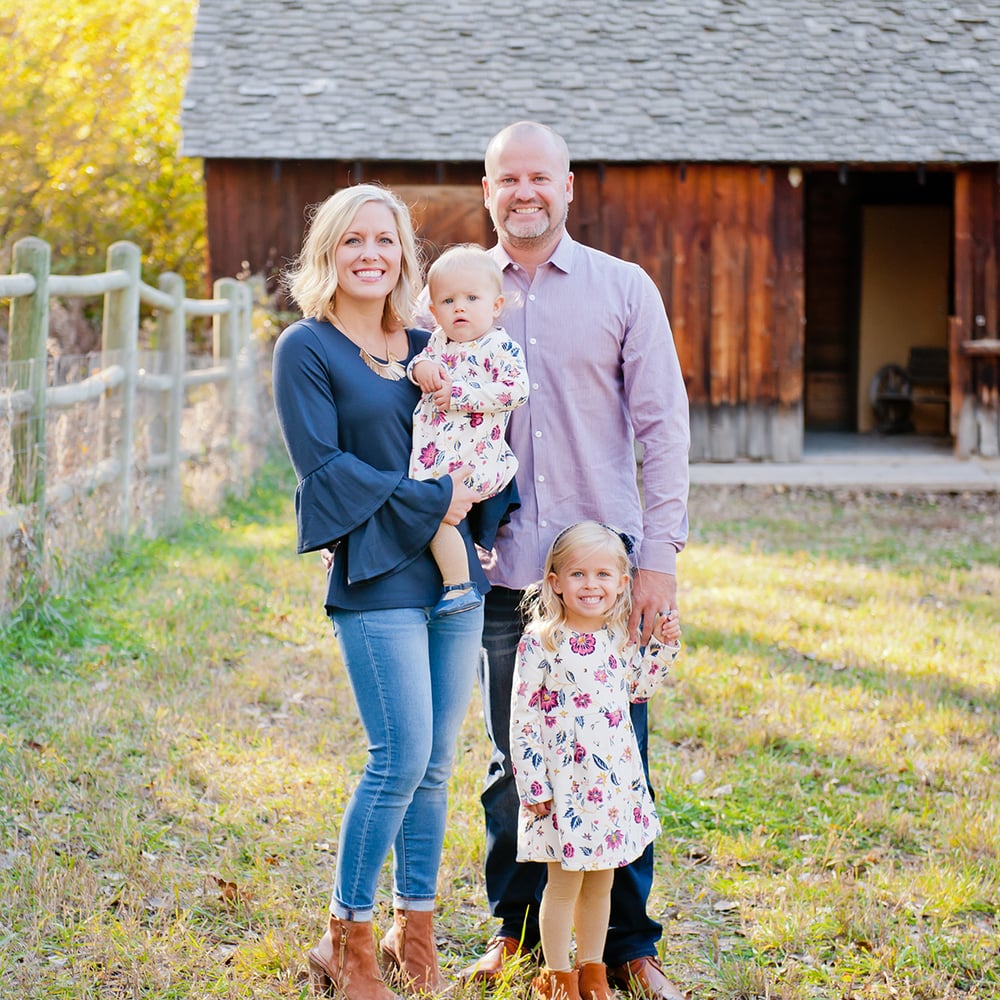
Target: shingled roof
{"points": [[883, 81]]}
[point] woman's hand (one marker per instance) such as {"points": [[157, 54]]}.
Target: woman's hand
{"points": [[539, 808], [462, 497], [442, 396]]}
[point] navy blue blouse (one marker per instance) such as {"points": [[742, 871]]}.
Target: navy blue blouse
{"points": [[348, 433]]}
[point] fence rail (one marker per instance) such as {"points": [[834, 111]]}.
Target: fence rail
{"points": [[134, 394]]}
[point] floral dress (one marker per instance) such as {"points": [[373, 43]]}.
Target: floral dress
{"points": [[572, 741], [489, 379]]}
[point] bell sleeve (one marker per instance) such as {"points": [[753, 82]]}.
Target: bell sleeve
{"points": [[381, 519]]}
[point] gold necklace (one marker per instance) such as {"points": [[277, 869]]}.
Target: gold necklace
{"points": [[391, 369]]}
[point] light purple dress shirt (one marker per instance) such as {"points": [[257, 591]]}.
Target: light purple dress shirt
{"points": [[604, 374]]}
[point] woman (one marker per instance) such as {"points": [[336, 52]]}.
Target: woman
{"points": [[345, 409]]}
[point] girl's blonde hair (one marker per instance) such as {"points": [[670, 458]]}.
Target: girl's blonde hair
{"points": [[311, 280], [544, 608]]}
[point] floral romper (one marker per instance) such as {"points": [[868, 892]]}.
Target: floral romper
{"points": [[489, 379], [572, 741]]}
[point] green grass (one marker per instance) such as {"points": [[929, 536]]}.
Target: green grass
{"points": [[177, 743]]}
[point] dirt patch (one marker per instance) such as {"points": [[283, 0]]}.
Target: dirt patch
{"points": [[973, 515]]}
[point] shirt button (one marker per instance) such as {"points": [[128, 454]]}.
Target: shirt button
{"points": [[538, 434], [543, 524], [531, 298], [532, 340], [541, 479], [534, 385]]}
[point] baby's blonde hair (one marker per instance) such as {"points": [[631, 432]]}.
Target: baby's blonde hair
{"points": [[465, 255], [544, 608]]}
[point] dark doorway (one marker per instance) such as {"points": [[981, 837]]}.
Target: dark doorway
{"points": [[872, 239]]}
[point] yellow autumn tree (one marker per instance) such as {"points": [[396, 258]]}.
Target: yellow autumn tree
{"points": [[90, 133]]}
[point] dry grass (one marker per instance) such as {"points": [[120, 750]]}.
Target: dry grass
{"points": [[178, 742]]}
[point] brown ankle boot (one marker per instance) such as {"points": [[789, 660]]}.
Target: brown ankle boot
{"points": [[343, 964], [410, 949], [551, 985], [594, 982]]}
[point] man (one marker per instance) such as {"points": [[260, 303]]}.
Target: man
{"points": [[603, 372]]}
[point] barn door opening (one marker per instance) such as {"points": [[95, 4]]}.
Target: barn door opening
{"points": [[903, 328], [878, 265]]}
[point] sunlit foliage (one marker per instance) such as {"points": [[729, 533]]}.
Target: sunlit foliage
{"points": [[90, 132]]}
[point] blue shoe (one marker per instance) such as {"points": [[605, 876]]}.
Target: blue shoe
{"points": [[456, 605]]}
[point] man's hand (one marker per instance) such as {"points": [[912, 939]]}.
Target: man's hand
{"points": [[652, 593]]}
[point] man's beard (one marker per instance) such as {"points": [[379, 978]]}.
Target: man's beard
{"points": [[521, 242]]}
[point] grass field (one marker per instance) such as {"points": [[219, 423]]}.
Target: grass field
{"points": [[177, 742]]}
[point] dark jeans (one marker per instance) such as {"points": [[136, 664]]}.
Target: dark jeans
{"points": [[515, 889]]}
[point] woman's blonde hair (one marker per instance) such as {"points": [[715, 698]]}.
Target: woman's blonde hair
{"points": [[544, 608], [311, 281]]}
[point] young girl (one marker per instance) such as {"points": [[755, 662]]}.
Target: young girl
{"points": [[585, 804]]}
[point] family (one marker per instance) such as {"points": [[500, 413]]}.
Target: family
{"points": [[474, 492]]}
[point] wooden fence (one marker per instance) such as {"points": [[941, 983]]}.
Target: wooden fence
{"points": [[125, 463]]}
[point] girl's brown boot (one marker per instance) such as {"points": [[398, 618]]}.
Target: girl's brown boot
{"points": [[343, 964], [552, 985], [594, 982], [411, 949]]}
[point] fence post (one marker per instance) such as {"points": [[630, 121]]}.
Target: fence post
{"points": [[29, 329], [251, 402], [226, 350], [121, 336], [173, 326]]}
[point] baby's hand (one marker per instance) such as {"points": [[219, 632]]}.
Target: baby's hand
{"points": [[427, 375], [539, 808], [442, 395], [667, 628]]}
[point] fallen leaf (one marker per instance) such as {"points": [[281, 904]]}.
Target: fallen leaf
{"points": [[229, 892]]}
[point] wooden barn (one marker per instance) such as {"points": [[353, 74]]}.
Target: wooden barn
{"points": [[814, 186]]}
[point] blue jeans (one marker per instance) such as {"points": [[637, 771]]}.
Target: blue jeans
{"points": [[514, 889], [412, 679]]}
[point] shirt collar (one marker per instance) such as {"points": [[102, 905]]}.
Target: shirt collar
{"points": [[561, 257]]}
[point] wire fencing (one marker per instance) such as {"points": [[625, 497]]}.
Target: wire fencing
{"points": [[95, 447]]}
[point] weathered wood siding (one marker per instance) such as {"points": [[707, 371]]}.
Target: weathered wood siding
{"points": [[977, 248], [724, 244], [976, 382], [257, 210]]}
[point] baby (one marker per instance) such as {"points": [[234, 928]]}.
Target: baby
{"points": [[472, 375]]}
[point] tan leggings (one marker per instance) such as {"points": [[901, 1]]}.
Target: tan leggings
{"points": [[448, 549], [574, 899]]}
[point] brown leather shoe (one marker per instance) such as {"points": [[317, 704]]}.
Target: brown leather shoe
{"points": [[500, 952], [644, 978]]}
